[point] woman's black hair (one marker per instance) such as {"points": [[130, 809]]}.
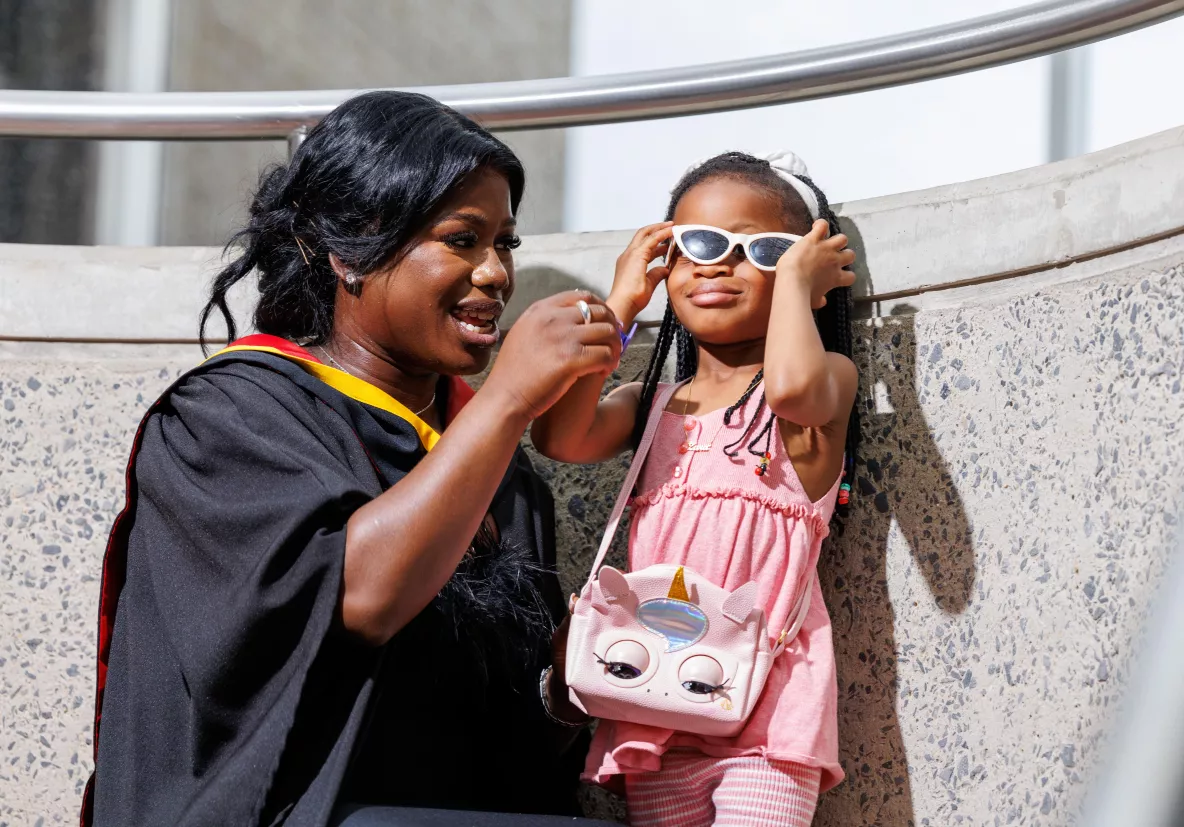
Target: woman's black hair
{"points": [[365, 181], [833, 320]]}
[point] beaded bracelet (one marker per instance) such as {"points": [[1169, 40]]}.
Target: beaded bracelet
{"points": [[555, 719]]}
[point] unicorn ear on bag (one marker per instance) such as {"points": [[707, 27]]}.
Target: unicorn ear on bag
{"points": [[613, 584], [741, 603]]}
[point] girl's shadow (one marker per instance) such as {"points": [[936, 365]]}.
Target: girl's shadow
{"points": [[902, 479]]}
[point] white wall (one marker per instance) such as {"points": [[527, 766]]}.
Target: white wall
{"points": [[856, 146]]}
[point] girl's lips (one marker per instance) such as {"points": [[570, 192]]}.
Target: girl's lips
{"points": [[712, 297]]}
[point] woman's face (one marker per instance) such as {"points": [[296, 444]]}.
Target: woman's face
{"points": [[436, 310], [729, 302]]}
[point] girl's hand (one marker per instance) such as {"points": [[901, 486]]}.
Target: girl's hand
{"points": [[818, 262], [635, 281], [550, 347]]}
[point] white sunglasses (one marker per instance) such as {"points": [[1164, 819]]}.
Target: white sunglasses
{"points": [[711, 245]]}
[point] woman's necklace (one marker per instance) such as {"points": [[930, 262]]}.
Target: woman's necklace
{"points": [[337, 365]]}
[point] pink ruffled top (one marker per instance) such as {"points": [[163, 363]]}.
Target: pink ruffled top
{"points": [[715, 515]]}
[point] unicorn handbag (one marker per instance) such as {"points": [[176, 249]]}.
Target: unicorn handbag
{"points": [[665, 647]]}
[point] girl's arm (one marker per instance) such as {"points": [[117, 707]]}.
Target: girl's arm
{"points": [[580, 427], [804, 383]]}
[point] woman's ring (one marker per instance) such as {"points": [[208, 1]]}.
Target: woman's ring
{"points": [[585, 311]]}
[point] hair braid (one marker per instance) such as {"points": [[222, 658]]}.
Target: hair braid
{"points": [[731, 449], [687, 354], [653, 372], [834, 327]]}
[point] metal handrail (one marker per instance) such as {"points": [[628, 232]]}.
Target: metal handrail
{"points": [[977, 43]]}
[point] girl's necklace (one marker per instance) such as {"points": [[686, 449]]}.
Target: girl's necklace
{"points": [[324, 350], [687, 446], [688, 426]]}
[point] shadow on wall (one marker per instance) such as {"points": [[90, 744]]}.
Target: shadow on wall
{"points": [[902, 480]]}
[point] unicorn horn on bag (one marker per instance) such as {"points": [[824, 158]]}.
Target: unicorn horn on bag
{"points": [[678, 587]]}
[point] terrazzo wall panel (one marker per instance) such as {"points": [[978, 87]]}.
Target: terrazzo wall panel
{"points": [[1018, 488], [1018, 493], [65, 429]]}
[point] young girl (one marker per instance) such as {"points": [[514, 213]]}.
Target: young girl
{"points": [[743, 474]]}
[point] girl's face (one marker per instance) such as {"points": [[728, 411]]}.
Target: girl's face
{"points": [[729, 302], [437, 308]]}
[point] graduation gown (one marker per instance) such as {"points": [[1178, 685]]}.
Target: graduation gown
{"points": [[228, 692]]}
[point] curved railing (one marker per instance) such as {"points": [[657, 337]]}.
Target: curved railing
{"points": [[854, 67]]}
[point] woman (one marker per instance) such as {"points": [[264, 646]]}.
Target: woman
{"points": [[334, 578]]}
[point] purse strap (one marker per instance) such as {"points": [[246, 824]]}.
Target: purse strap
{"points": [[661, 400]]}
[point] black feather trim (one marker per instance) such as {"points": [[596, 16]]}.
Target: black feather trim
{"points": [[495, 610]]}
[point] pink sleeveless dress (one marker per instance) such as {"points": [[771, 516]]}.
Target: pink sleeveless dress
{"points": [[715, 515]]}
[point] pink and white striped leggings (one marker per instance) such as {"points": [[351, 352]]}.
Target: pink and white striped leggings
{"points": [[693, 790]]}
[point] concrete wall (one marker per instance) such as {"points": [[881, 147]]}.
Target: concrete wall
{"points": [[245, 45], [1021, 360]]}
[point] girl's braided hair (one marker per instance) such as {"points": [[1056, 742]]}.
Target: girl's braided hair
{"points": [[833, 320]]}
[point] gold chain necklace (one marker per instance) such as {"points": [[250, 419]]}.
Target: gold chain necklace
{"points": [[688, 426]]}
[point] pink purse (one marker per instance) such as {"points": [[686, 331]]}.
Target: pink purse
{"points": [[665, 647]]}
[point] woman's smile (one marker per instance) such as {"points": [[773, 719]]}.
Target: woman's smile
{"points": [[476, 320]]}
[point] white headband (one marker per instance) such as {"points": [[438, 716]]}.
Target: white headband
{"points": [[788, 167]]}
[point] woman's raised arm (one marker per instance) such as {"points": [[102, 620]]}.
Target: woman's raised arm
{"points": [[403, 546]]}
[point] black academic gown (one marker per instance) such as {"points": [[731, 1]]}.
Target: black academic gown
{"points": [[229, 694]]}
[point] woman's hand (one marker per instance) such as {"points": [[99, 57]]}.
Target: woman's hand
{"points": [[579, 427], [818, 261], [550, 347], [558, 698], [559, 650], [635, 281]]}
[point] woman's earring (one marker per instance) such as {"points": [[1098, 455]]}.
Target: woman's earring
{"points": [[353, 284]]}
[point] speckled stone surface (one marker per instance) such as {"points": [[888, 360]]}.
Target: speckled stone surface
{"points": [[1018, 490], [1018, 496], [65, 431]]}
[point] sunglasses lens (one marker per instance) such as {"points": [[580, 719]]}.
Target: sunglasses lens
{"points": [[704, 245], [766, 251]]}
